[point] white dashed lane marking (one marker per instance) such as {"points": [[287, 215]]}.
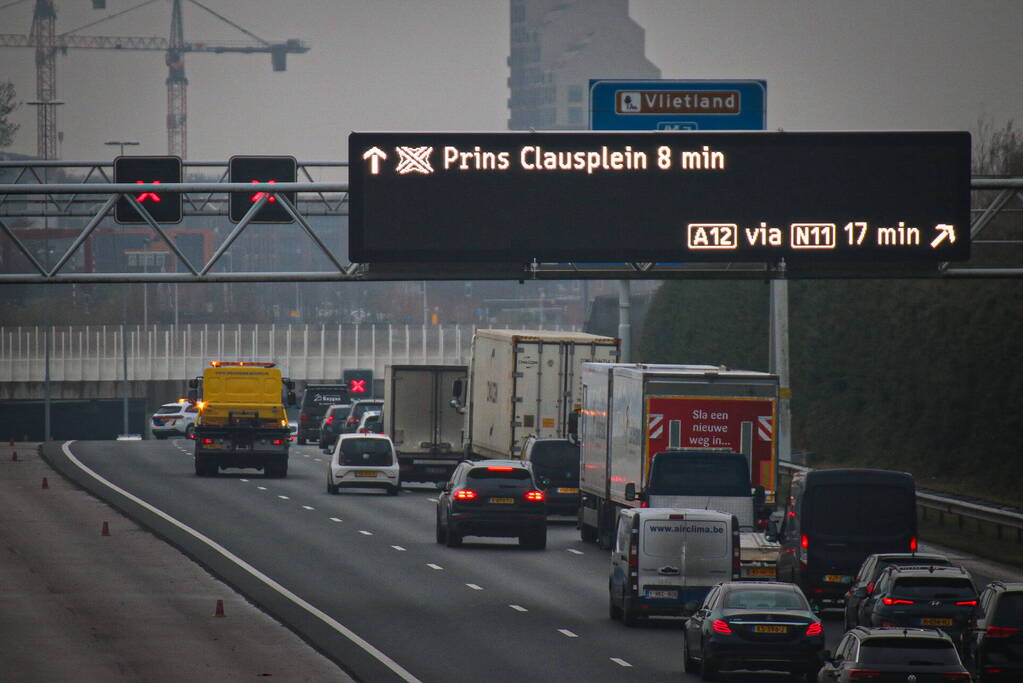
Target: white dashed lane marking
{"points": [[474, 586], [334, 519], [261, 488], [306, 507], [568, 634], [398, 548], [365, 533], [284, 497], [518, 608], [435, 566], [575, 552], [620, 662]]}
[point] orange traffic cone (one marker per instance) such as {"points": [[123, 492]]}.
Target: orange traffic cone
{"points": [[46, 484], [219, 612], [106, 530]]}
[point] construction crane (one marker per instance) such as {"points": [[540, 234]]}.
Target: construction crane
{"points": [[48, 43]]}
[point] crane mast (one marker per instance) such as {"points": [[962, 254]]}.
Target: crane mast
{"points": [[177, 87]]}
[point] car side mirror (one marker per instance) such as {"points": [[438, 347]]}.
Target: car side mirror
{"points": [[193, 395], [630, 491]]}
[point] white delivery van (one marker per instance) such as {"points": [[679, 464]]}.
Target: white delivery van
{"points": [[663, 558]]}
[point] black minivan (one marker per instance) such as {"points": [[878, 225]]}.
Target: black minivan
{"points": [[315, 400], [835, 518]]}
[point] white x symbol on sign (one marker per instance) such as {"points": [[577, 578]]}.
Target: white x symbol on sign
{"points": [[414, 160]]}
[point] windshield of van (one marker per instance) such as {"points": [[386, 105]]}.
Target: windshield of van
{"points": [[558, 461], [859, 510], [365, 452], [699, 474]]}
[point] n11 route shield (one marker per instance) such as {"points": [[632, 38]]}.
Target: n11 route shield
{"points": [[660, 197]]}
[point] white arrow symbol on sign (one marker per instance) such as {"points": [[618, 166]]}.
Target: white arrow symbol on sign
{"points": [[944, 231], [375, 155]]}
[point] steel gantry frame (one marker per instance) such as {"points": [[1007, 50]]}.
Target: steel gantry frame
{"points": [[93, 196]]}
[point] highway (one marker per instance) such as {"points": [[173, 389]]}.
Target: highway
{"points": [[360, 576]]}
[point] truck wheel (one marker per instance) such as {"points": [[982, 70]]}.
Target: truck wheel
{"points": [[331, 489]]}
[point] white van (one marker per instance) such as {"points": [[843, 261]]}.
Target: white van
{"points": [[664, 558]]}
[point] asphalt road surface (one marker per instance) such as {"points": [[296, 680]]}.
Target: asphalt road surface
{"points": [[360, 576]]}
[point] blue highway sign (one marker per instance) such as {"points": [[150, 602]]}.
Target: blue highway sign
{"points": [[678, 105]]}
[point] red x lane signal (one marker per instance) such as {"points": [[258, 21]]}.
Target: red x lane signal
{"points": [[164, 207], [147, 195], [261, 169], [357, 386], [259, 195]]}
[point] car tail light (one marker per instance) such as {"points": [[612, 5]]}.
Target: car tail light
{"points": [[1001, 631], [329, 420], [721, 626], [912, 544], [964, 603], [191, 436], [500, 469], [352, 420], [634, 553], [815, 629], [870, 588], [207, 440], [465, 494], [278, 442], [863, 674], [535, 496], [804, 542], [896, 601]]}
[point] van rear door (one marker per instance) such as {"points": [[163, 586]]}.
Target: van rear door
{"points": [[706, 554]]}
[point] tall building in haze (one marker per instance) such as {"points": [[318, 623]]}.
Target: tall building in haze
{"points": [[557, 46]]}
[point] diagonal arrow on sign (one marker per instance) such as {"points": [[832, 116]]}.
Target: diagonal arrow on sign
{"points": [[945, 231]]}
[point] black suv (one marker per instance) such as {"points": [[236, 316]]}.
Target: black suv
{"points": [[858, 599], [492, 498], [924, 596], [557, 460], [993, 641], [333, 424], [893, 654]]}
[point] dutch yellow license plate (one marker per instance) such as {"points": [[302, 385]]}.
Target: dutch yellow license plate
{"points": [[503, 501], [770, 628], [761, 571], [935, 622], [834, 578], [567, 490], [363, 473]]}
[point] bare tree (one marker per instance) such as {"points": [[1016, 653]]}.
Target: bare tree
{"points": [[8, 104]]}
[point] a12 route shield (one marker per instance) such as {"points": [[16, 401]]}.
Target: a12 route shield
{"points": [[661, 197]]}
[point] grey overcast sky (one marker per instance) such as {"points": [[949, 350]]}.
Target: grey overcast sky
{"points": [[441, 65]]}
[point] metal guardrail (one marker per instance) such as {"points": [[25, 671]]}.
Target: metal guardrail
{"points": [[960, 510]]}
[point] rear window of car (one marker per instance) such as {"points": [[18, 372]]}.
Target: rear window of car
{"points": [[337, 412], [373, 422], [364, 452], [858, 510], [765, 598], [556, 461], [1009, 611], [908, 562], [359, 408], [931, 588], [912, 651], [168, 410], [515, 476]]}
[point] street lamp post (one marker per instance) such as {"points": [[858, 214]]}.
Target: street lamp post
{"points": [[122, 144]]}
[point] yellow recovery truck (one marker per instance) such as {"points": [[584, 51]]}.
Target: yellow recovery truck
{"points": [[241, 421]]}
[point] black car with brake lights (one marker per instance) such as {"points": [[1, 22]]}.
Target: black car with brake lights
{"points": [[753, 626], [993, 641], [492, 498], [858, 598], [557, 460], [893, 654], [924, 596]]}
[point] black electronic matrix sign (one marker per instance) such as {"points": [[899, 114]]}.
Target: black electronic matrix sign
{"points": [[261, 169], [359, 383], [164, 207], [659, 197]]}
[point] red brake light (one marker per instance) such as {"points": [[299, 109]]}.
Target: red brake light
{"points": [[1001, 631], [860, 674], [804, 542], [278, 442], [966, 602], [721, 626], [535, 496], [465, 494], [815, 629], [500, 469], [329, 419], [896, 601], [207, 440], [912, 544], [870, 588]]}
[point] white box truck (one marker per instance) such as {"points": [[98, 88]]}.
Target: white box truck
{"points": [[426, 433], [692, 436], [522, 383]]}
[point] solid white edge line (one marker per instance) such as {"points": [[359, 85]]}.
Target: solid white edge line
{"points": [[319, 614]]}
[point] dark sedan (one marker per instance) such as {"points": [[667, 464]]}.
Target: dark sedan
{"points": [[753, 626]]}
